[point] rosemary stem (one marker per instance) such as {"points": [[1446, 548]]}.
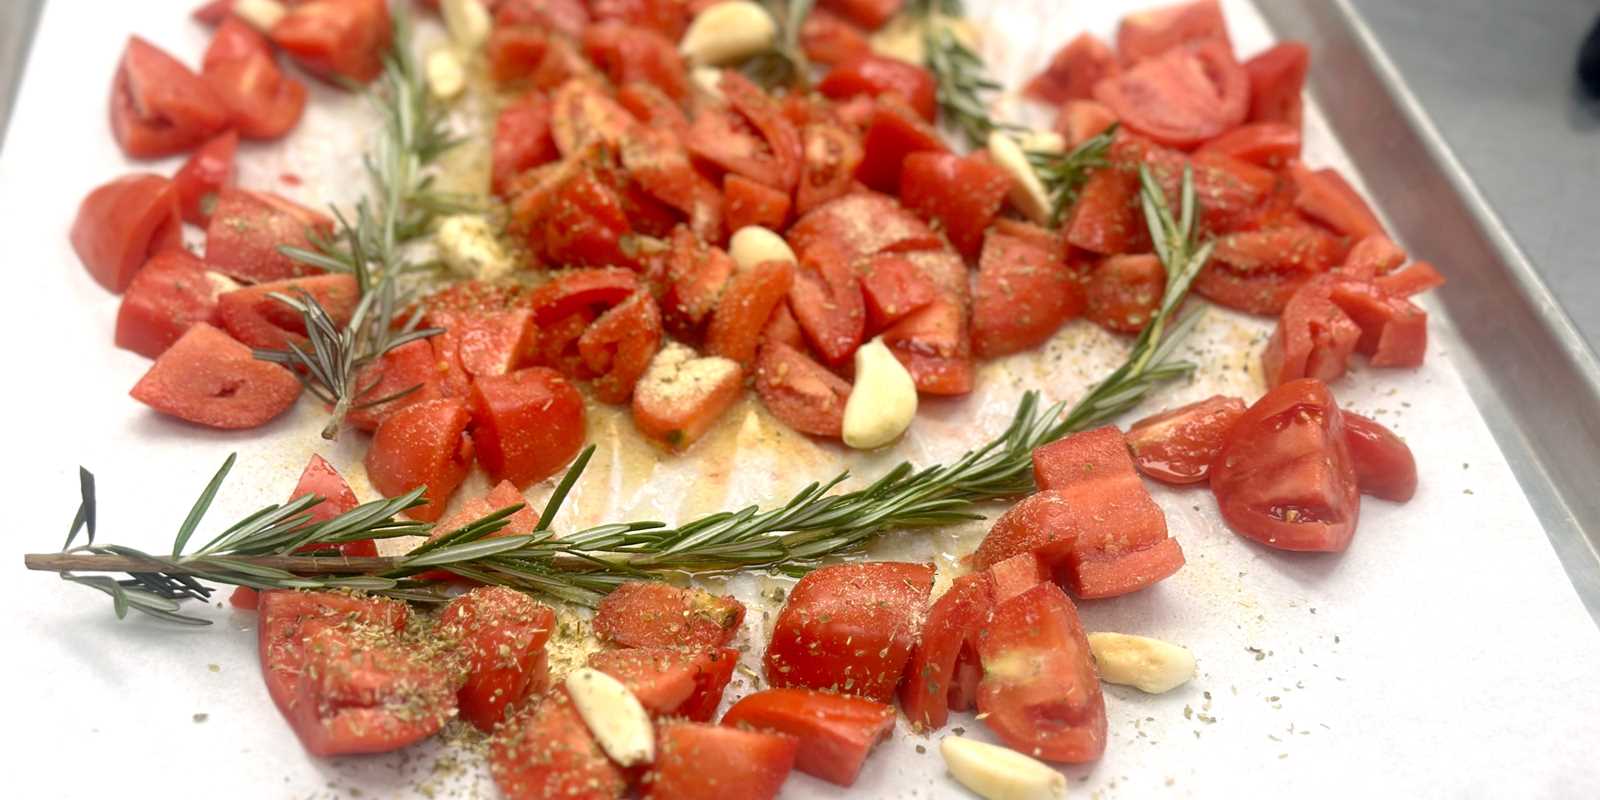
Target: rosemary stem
{"points": [[299, 565], [330, 431]]}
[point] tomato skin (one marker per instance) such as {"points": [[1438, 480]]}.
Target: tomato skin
{"points": [[1325, 195], [527, 424], [209, 379], [522, 140], [1124, 292], [619, 345], [203, 176], [1393, 330], [336, 39], [873, 75], [831, 157], [893, 287], [1418, 277], [574, 290], [409, 366], [1073, 71], [961, 195], [159, 106], [696, 275], [675, 681], [484, 343], [836, 732], [654, 614], [423, 444], [1264, 293], [503, 632], [747, 202], [255, 318], [800, 392], [744, 307], [1314, 338], [827, 303], [1285, 477], [1023, 295], [1040, 694], [781, 328], [545, 750], [1264, 144], [1277, 76], [171, 292], [895, 131], [1105, 219], [704, 762], [869, 14], [1301, 248], [850, 628], [843, 224], [1150, 33], [1181, 98], [1384, 465], [1177, 446], [1015, 575], [248, 227], [628, 53], [321, 479], [829, 39], [239, 67], [952, 621], [121, 224]]}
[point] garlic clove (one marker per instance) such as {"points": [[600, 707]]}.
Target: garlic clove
{"points": [[1149, 665], [883, 401], [447, 77], [998, 773], [259, 14], [728, 32], [615, 717], [753, 244], [1027, 191], [467, 245], [468, 22]]}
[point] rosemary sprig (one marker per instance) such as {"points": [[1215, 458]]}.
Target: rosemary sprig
{"points": [[1063, 174], [785, 63], [962, 82]]}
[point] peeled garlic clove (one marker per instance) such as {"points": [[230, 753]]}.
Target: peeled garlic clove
{"points": [[447, 77], [1027, 191], [1149, 665], [467, 21], [708, 80], [753, 244], [998, 773], [883, 401], [619, 723], [259, 14], [1038, 141], [728, 32], [467, 245]]}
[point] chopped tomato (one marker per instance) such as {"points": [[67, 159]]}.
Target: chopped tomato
{"points": [[1394, 331], [248, 227], [405, 375], [159, 106], [516, 52], [572, 217], [1253, 293], [1177, 446], [836, 732], [1314, 338], [1264, 144], [707, 762], [827, 38], [255, 318], [1145, 34], [1418, 277], [1325, 195], [849, 628], [872, 75], [1125, 291], [895, 131], [860, 225], [1073, 71], [1298, 248], [503, 495], [869, 14], [1372, 256], [959, 194], [1285, 477], [782, 328], [1015, 575], [832, 155], [170, 293], [336, 39], [503, 633], [558, 344], [696, 275], [749, 203], [209, 379], [485, 343], [746, 302], [1182, 97], [522, 140], [631, 53], [422, 444], [203, 177], [653, 614], [545, 750], [934, 345], [320, 479], [1384, 465], [122, 224], [1102, 452], [1277, 76], [1234, 191], [952, 622], [771, 156], [893, 287], [1023, 294], [1106, 218], [619, 345], [675, 681], [566, 17], [527, 424], [1040, 693], [659, 162], [667, 17], [800, 392], [827, 303], [1078, 121], [239, 67], [583, 114], [574, 290]]}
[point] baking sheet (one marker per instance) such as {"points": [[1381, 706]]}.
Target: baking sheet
{"points": [[1446, 654]]}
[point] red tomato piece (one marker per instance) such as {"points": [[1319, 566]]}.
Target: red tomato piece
{"points": [[1264, 144], [239, 67], [1151, 33], [503, 633], [893, 287], [1015, 575], [680, 396], [545, 750], [895, 132], [1418, 277], [1325, 196], [574, 290], [873, 75], [1393, 330], [319, 478], [667, 17], [675, 681], [172, 292], [486, 343], [836, 732], [1125, 291], [1102, 452], [849, 628], [628, 53], [952, 622], [861, 225], [1182, 97], [869, 14], [1040, 693], [212, 12], [122, 224], [405, 375], [744, 307], [336, 39], [653, 108], [517, 52], [619, 345], [827, 304], [1078, 121], [1265, 293], [527, 424], [522, 140], [800, 392], [653, 614], [1372, 256], [1177, 446], [1277, 76], [159, 106], [503, 495], [782, 328], [1073, 71], [572, 217], [828, 39], [1023, 294], [696, 275], [248, 227], [749, 203], [203, 177], [934, 345], [1106, 219], [1234, 191], [1285, 477], [832, 155], [706, 762], [255, 318], [566, 17], [1384, 465], [1303, 249], [1314, 339], [959, 194], [775, 157], [209, 379], [583, 114], [659, 162], [422, 444]]}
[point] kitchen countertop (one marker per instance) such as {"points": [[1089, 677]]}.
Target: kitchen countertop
{"points": [[1497, 77]]}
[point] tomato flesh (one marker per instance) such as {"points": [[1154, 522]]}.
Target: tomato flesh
{"points": [[681, 395], [255, 318], [169, 294], [159, 107], [1314, 338], [677, 681], [619, 346], [1277, 76], [1146, 34], [423, 444], [1023, 294], [959, 194], [522, 140], [527, 424], [1073, 71], [1124, 292], [827, 304], [801, 393], [893, 287], [707, 761], [831, 157], [545, 750], [895, 132], [1384, 465], [873, 75], [827, 38], [952, 621], [836, 732], [262, 101], [121, 224], [744, 307], [336, 39], [747, 203], [653, 614], [247, 228], [503, 633], [209, 379], [1177, 446], [203, 176], [1182, 97]]}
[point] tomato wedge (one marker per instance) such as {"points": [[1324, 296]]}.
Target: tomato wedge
{"points": [[1146, 34], [952, 621], [747, 203], [522, 140], [696, 274], [247, 228], [209, 379], [422, 444], [574, 290], [709, 761], [503, 633], [1264, 144], [1078, 121], [620, 344], [959, 194], [1277, 76], [800, 392], [653, 614], [828, 39], [1285, 477], [503, 495], [744, 307], [203, 177], [1418, 277], [1024, 292], [893, 287], [627, 53], [170, 293], [336, 40], [1182, 97], [159, 106], [859, 225], [1105, 218], [122, 224], [527, 424], [872, 75], [407, 374], [1394, 331], [1073, 71], [677, 681], [1177, 446], [263, 103], [894, 131], [869, 14], [660, 164], [1325, 195], [836, 732], [1124, 292], [681, 395], [255, 318], [827, 303], [1384, 465], [1314, 338], [320, 479], [832, 156], [545, 750]]}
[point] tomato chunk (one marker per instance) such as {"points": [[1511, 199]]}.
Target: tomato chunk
{"points": [[1040, 693], [800, 392], [659, 162], [952, 623], [893, 287], [1314, 338], [827, 38], [836, 732], [832, 155], [336, 39], [1024, 293], [255, 318], [503, 495], [1151, 33], [545, 750], [672, 681], [1124, 292], [627, 53], [934, 346], [121, 224], [405, 375], [1418, 277], [475, 344], [960, 194], [895, 131], [1394, 331], [620, 344], [247, 228], [681, 395], [170, 293], [527, 424], [1254, 293], [1078, 121], [708, 761], [653, 614], [1182, 97], [1285, 477], [696, 275], [860, 225], [747, 202], [869, 14], [849, 628], [1177, 446], [1297, 248], [159, 106], [1384, 465], [1105, 219], [744, 307], [423, 444], [209, 379], [574, 290], [752, 137], [503, 633], [1264, 144], [827, 303], [203, 176], [522, 140], [1325, 195], [263, 103], [320, 479], [1277, 76], [1073, 71], [872, 75]]}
